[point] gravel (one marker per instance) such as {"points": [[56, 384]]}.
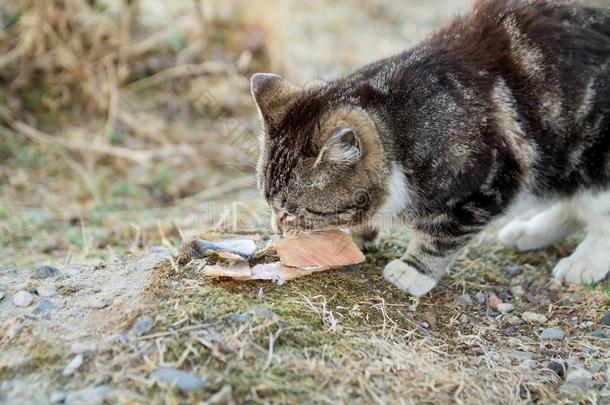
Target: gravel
{"points": [[72, 366], [182, 380], [43, 305], [606, 319], [552, 333], [23, 298], [599, 333], [577, 380], [505, 308], [534, 317], [556, 367], [46, 271], [464, 300], [46, 290], [89, 395], [142, 325]]}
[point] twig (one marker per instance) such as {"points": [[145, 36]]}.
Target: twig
{"points": [[174, 72], [139, 156]]}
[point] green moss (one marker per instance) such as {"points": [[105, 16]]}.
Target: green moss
{"points": [[42, 353]]}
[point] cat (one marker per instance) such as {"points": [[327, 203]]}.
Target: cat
{"points": [[509, 100]]}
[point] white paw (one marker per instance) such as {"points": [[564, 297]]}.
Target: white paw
{"points": [[581, 270], [407, 278], [520, 235]]}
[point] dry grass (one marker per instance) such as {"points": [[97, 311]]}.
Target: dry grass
{"points": [[116, 138]]}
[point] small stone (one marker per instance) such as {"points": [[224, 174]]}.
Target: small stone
{"points": [[534, 317], [480, 297], [505, 308], [532, 299], [120, 339], [23, 298], [43, 305], [98, 303], [58, 397], [528, 364], [159, 250], [89, 395], [577, 380], [518, 354], [2, 295], [606, 319], [494, 300], [585, 325], [557, 368], [81, 347], [513, 341], [511, 271], [262, 311], [600, 334], [240, 317], [143, 325], [182, 380], [46, 271], [465, 319], [464, 300], [72, 366], [46, 290], [552, 333], [512, 319], [572, 298], [517, 291]]}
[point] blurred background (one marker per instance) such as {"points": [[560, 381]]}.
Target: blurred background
{"points": [[126, 123]]}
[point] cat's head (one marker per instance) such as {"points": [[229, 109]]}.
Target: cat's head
{"points": [[321, 162]]}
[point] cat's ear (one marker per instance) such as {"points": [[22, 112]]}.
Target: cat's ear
{"points": [[342, 147], [273, 95]]}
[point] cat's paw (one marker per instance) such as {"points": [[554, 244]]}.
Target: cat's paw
{"points": [[407, 278], [582, 269], [521, 235]]}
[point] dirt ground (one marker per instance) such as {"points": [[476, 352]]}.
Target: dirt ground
{"points": [[126, 130]]}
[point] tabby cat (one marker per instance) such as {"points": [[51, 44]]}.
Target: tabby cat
{"points": [[509, 100]]}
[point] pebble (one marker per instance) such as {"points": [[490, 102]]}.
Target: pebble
{"points": [[600, 334], [557, 368], [240, 317], [23, 298], [43, 305], [465, 319], [58, 397], [529, 363], [159, 250], [517, 291], [2, 295], [528, 316], [606, 319], [89, 395], [585, 325], [182, 380], [143, 325], [72, 366], [572, 298], [532, 299], [46, 290], [98, 303], [552, 333], [511, 271], [577, 380], [82, 347], [46, 271], [464, 300], [480, 297], [505, 308], [262, 311]]}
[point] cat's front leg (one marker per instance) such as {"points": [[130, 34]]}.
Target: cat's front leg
{"points": [[422, 266]]}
